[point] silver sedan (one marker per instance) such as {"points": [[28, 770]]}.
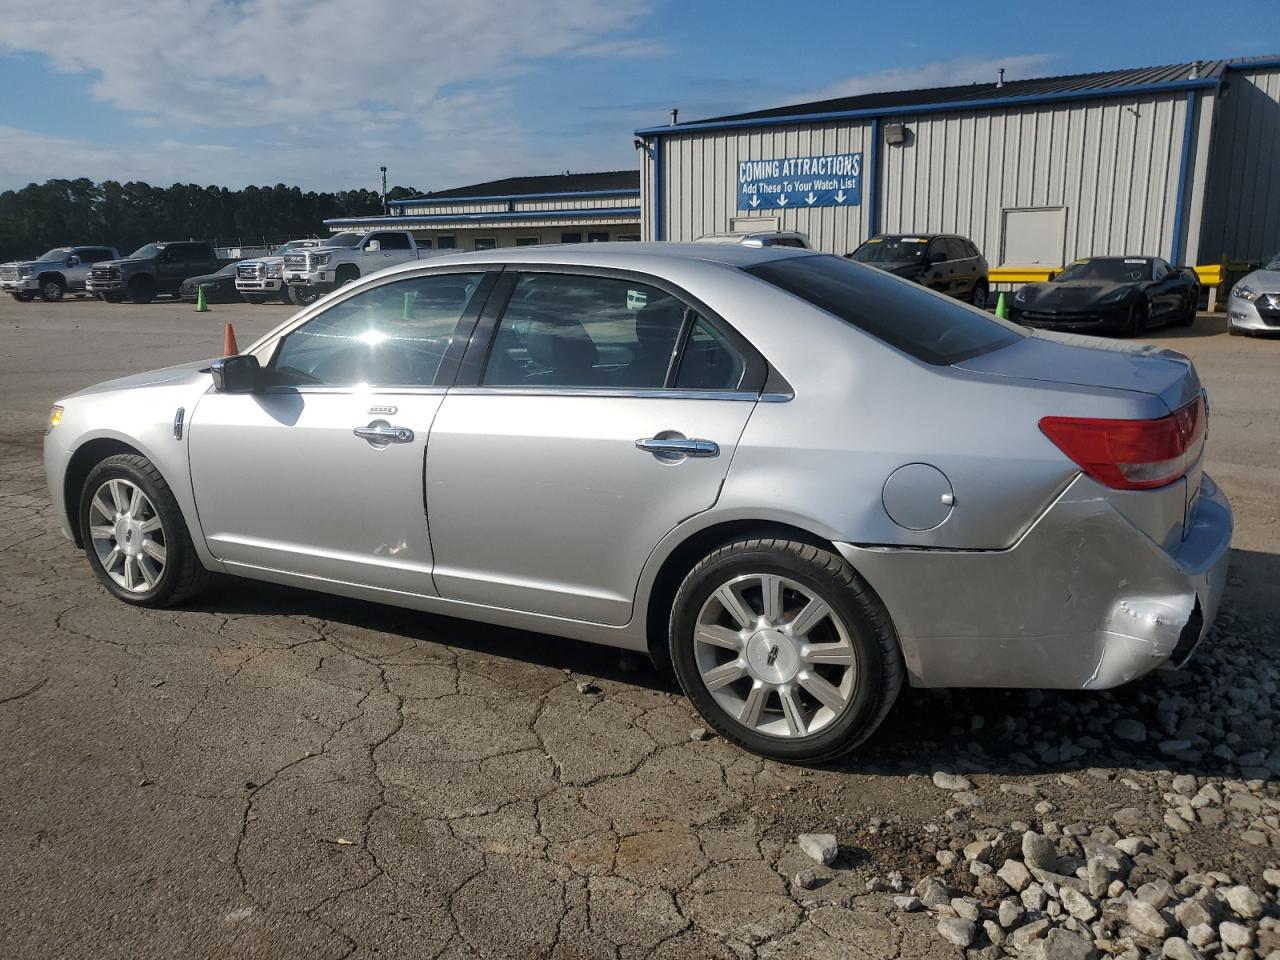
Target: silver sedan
{"points": [[798, 480]]}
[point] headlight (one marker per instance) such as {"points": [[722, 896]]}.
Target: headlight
{"points": [[55, 417], [24, 271], [1022, 295], [320, 259], [1245, 293], [275, 269]]}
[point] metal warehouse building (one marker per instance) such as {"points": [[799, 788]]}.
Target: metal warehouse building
{"points": [[1181, 162], [565, 208]]}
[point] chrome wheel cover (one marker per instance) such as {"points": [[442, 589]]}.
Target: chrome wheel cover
{"points": [[127, 535], [51, 291], [774, 655]]}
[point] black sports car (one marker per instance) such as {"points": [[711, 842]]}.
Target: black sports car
{"points": [[219, 287], [1118, 294]]}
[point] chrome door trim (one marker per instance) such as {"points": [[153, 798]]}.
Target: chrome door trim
{"points": [[354, 390]]}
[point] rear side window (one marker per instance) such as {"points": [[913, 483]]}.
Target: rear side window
{"points": [[956, 249], [926, 325]]}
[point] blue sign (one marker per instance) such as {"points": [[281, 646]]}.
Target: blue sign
{"points": [[831, 180]]}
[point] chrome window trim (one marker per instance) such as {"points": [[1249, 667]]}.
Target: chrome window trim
{"points": [[355, 389], [656, 393]]}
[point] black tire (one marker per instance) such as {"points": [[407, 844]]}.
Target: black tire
{"points": [[52, 289], [183, 574], [1233, 330], [878, 668], [23, 296], [142, 290], [978, 295], [1187, 314], [284, 295], [1136, 323], [305, 296]]}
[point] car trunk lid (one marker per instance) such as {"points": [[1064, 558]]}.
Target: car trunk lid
{"points": [[1093, 362]]}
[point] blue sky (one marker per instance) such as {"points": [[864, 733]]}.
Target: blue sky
{"points": [[319, 93]]}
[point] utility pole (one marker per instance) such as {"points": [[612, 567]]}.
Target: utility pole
{"points": [[384, 190]]}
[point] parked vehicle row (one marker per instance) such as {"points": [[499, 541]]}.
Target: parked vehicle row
{"points": [[714, 478], [261, 279]]}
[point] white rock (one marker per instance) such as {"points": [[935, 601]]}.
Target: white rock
{"points": [[1078, 905], [1244, 902], [907, 904], [1034, 897], [1175, 948], [1147, 920], [1009, 912], [1038, 852], [966, 907], [819, 846], [1201, 934], [1015, 875], [957, 930], [1235, 935], [1063, 945], [951, 781]]}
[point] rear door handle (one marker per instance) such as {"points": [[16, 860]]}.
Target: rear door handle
{"points": [[679, 447], [383, 433]]}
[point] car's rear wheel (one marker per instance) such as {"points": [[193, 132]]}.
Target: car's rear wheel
{"points": [[52, 290], [142, 290], [134, 536], [979, 295], [784, 649], [23, 296]]}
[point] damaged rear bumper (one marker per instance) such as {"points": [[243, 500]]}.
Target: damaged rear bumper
{"points": [[1084, 600]]}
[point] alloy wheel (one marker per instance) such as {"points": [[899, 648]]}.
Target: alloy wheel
{"points": [[127, 535], [774, 655], [51, 291]]}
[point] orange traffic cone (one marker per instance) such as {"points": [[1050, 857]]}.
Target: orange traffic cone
{"points": [[229, 348]]}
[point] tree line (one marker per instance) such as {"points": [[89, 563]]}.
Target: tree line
{"points": [[127, 215]]}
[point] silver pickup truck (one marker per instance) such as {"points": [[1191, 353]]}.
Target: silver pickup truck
{"points": [[261, 279], [54, 274], [344, 257]]}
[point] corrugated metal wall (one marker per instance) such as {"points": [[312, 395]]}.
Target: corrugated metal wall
{"points": [[700, 181], [1112, 163], [1242, 217]]}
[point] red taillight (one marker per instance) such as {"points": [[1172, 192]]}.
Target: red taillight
{"points": [[1132, 454]]}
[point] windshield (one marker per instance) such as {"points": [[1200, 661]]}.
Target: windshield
{"points": [[1111, 269], [1273, 263], [228, 270], [57, 253], [145, 253], [891, 250], [295, 245], [927, 325], [347, 239]]}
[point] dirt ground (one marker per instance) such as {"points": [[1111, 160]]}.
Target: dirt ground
{"points": [[269, 772]]}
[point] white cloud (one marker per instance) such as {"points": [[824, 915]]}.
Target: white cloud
{"points": [[315, 91], [939, 73]]}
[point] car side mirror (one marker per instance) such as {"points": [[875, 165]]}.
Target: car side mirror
{"points": [[373, 246], [72, 260], [1053, 275], [238, 374]]}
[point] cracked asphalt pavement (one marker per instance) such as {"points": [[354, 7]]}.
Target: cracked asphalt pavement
{"points": [[269, 772]]}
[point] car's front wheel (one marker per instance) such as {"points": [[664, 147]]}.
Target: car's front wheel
{"points": [[134, 534], [52, 290], [1136, 321], [784, 649], [1187, 313]]}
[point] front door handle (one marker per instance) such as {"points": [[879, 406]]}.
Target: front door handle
{"points": [[382, 433], [679, 447]]}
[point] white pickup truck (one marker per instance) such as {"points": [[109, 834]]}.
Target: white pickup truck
{"points": [[262, 279], [344, 257]]}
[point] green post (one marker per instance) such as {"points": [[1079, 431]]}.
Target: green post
{"points": [[1001, 310]]}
